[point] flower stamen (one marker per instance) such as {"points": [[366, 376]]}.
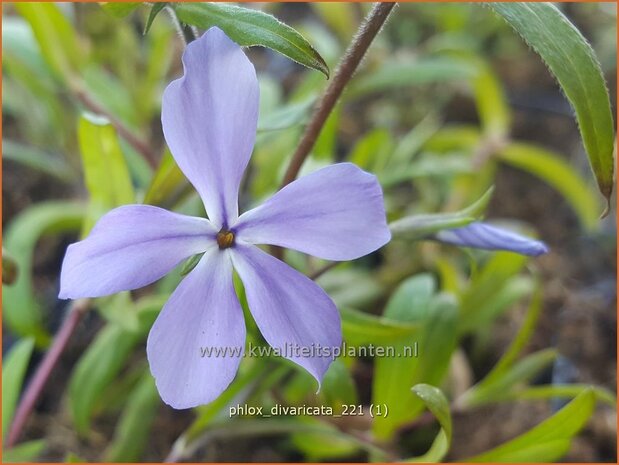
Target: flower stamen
{"points": [[225, 239]]}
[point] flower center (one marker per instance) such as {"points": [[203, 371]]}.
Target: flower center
{"points": [[225, 239]]}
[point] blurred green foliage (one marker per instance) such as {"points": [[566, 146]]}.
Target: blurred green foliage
{"points": [[82, 94]]}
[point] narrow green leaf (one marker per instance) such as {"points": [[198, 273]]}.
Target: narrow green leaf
{"points": [[326, 143], [498, 387], [417, 227], [21, 311], [339, 16], [105, 170], [573, 62], [24, 452], [325, 446], [394, 75], [167, 184], [562, 391], [498, 300], [554, 170], [494, 112], [520, 340], [362, 328], [13, 371], [411, 300], [191, 263], [39, 160], [374, 146], [338, 387], [394, 376], [287, 116], [549, 440], [96, 368], [56, 37], [251, 27], [410, 144], [437, 403], [133, 430], [154, 11]]}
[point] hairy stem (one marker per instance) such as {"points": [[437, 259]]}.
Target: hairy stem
{"points": [[44, 370], [185, 31], [344, 72]]}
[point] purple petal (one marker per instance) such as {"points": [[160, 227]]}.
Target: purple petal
{"points": [[209, 119], [484, 236], [130, 247], [202, 314], [295, 316], [336, 213]]}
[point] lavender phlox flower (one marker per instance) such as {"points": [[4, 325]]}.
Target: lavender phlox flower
{"points": [[209, 119]]}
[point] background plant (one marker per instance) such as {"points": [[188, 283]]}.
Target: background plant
{"points": [[428, 112]]}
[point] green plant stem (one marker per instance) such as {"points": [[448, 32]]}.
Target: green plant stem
{"points": [[44, 370]]}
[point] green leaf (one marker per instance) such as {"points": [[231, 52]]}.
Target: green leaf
{"points": [[328, 445], [339, 16], [38, 160], [95, 370], [286, 116], [326, 143], [134, 426], [411, 143], [554, 170], [499, 386], [24, 452], [105, 170], [338, 387], [561, 391], [573, 62], [500, 299], [479, 300], [549, 440], [168, 183], [362, 328], [352, 287], [120, 10], [14, 368], [494, 112], [56, 37], [520, 340], [21, 310], [437, 403], [374, 146], [154, 11], [417, 227], [393, 75], [411, 300], [394, 376], [251, 27]]}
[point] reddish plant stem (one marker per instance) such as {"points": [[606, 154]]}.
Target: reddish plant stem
{"points": [[345, 70], [372, 24], [139, 145], [319, 272], [45, 369]]}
